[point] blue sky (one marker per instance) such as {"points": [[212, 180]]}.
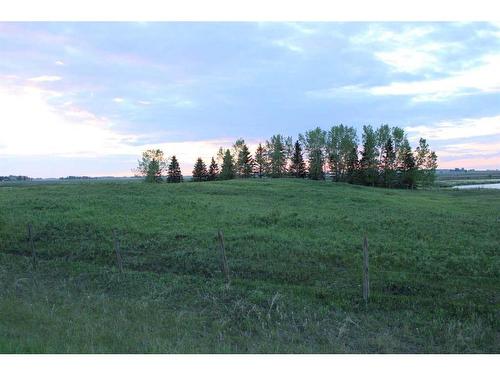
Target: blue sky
{"points": [[87, 98]]}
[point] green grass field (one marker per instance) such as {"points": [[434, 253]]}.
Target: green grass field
{"points": [[294, 250]]}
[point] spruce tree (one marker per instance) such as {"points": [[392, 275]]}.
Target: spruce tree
{"points": [[245, 162], [297, 166], [277, 153], [261, 160], [227, 172], [200, 171], [386, 158], [213, 171], [174, 171]]}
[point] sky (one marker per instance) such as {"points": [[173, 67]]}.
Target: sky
{"points": [[88, 98]]}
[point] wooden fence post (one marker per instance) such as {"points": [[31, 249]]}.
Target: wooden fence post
{"points": [[117, 251], [366, 275], [225, 267], [32, 244]]}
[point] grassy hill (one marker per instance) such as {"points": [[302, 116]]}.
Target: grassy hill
{"points": [[294, 250]]}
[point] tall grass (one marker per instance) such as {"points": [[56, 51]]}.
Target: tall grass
{"points": [[294, 251]]}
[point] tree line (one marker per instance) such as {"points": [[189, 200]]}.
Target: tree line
{"points": [[15, 178], [384, 158]]}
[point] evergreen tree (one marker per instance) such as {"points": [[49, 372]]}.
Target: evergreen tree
{"points": [[200, 171], [297, 166], [245, 162], [227, 172], [277, 151], [386, 158], [261, 161], [314, 142], [368, 163], [213, 171], [174, 171]]}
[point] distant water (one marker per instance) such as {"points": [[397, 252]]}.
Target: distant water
{"points": [[483, 186]]}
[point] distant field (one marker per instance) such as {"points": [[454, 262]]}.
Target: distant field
{"points": [[294, 253], [451, 183], [450, 179]]}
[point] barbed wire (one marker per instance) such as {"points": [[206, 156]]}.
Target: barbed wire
{"points": [[129, 250]]}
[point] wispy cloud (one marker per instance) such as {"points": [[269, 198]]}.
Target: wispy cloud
{"points": [[415, 59], [184, 103], [468, 149], [456, 129], [409, 50], [479, 79], [294, 37], [177, 101], [303, 28], [380, 34], [493, 32], [118, 100], [45, 78], [289, 45]]}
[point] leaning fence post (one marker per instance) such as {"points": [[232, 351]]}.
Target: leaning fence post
{"points": [[32, 244], [225, 267], [117, 251], [366, 275]]}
